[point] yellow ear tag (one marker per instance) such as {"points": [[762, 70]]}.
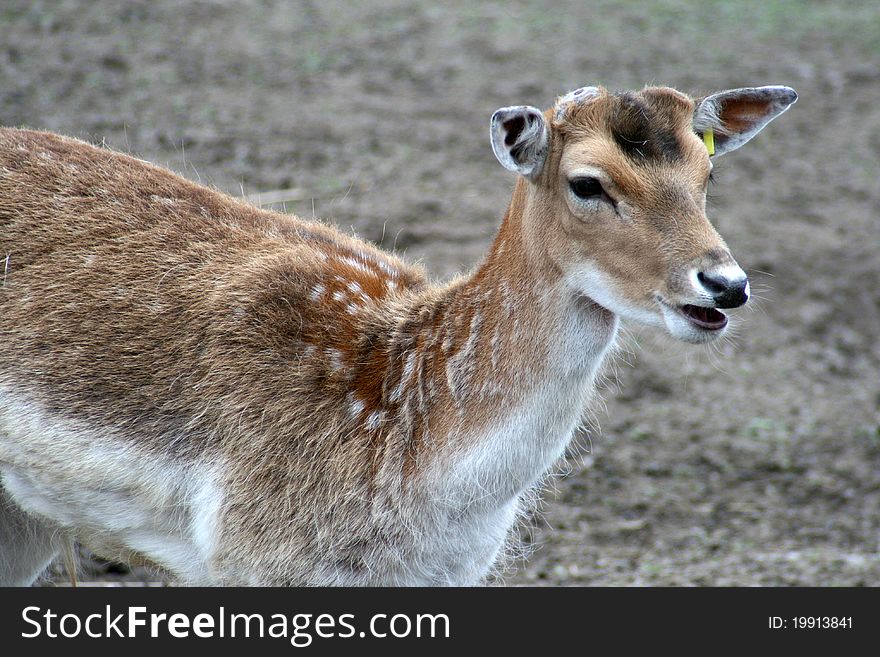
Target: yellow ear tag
{"points": [[709, 140]]}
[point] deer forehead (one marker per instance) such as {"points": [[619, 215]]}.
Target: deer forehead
{"points": [[645, 129], [624, 110]]}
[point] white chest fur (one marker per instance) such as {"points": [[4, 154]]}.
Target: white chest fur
{"points": [[477, 494]]}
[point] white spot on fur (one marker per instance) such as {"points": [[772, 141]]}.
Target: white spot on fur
{"points": [[369, 260], [388, 269], [461, 367], [164, 200], [334, 357], [496, 345], [351, 262], [408, 368], [317, 291], [355, 406], [356, 288], [375, 419]]}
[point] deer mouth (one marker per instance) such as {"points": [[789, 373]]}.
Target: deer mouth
{"points": [[708, 319]]}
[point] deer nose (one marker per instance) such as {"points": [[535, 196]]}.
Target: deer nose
{"points": [[729, 287]]}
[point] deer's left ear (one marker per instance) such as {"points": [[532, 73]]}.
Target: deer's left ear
{"points": [[520, 139], [730, 118]]}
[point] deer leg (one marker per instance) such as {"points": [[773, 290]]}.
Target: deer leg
{"points": [[27, 545]]}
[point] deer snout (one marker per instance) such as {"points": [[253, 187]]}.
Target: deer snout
{"points": [[728, 286]]}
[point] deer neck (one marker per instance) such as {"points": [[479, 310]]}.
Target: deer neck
{"points": [[510, 355]]}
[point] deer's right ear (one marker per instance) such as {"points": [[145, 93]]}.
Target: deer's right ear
{"points": [[520, 139]]}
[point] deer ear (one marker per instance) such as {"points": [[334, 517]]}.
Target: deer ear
{"points": [[730, 118], [520, 139]]}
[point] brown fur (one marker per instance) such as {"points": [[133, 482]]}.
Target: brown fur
{"points": [[326, 377]]}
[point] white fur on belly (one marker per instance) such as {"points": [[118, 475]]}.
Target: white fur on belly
{"points": [[108, 491]]}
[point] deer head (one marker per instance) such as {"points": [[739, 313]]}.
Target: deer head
{"points": [[616, 197]]}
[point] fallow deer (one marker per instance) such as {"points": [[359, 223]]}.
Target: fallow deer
{"points": [[241, 397]]}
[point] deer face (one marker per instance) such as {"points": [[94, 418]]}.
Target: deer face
{"points": [[617, 197]]}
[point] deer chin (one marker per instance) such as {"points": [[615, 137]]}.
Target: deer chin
{"points": [[691, 323]]}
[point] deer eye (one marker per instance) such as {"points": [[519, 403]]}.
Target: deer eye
{"points": [[586, 188]]}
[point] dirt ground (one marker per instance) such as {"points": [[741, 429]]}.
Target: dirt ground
{"points": [[754, 462]]}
